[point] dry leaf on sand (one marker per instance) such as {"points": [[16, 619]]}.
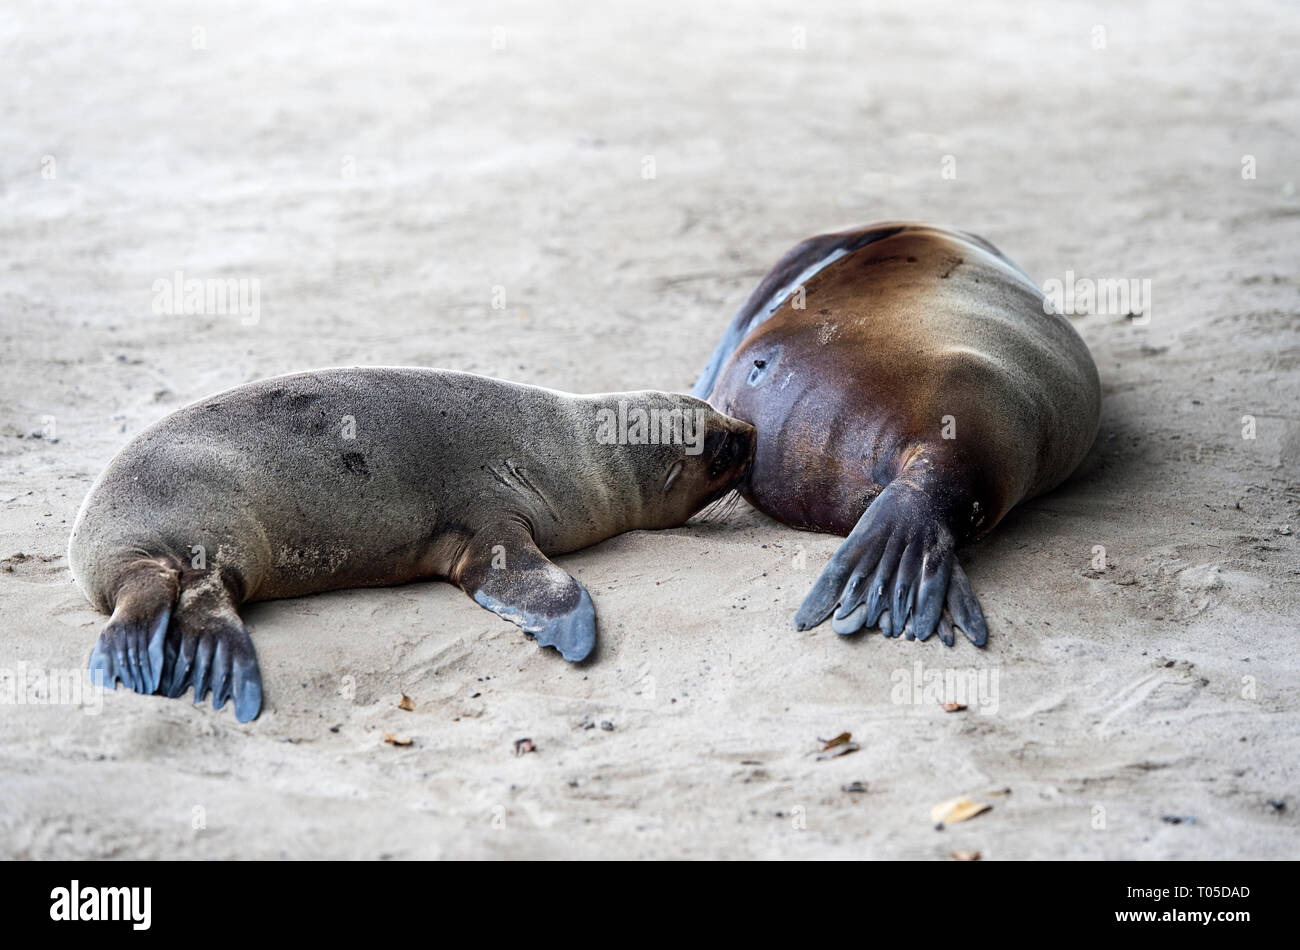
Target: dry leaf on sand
{"points": [[957, 809]]}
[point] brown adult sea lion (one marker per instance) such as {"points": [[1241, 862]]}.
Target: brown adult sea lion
{"points": [[909, 387]]}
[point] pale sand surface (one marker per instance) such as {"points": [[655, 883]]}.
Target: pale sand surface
{"points": [[1165, 685]]}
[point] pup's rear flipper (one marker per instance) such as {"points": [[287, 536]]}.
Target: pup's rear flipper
{"points": [[130, 648], [210, 649], [503, 570], [896, 569]]}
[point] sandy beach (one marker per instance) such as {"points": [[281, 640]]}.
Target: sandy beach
{"points": [[579, 196]]}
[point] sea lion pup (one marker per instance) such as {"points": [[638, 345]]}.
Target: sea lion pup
{"points": [[909, 387], [367, 477]]}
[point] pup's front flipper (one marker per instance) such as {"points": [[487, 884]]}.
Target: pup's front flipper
{"points": [[897, 569], [503, 570]]}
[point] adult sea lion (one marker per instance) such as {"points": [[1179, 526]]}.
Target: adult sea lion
{"points": [[373, 476], [909, 387]]}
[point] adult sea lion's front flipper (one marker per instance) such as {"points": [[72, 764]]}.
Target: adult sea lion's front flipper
{"points": [[503, 570]]}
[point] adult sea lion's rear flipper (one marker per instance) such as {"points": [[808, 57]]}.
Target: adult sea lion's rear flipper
{"points": [[964, 608], [896, 569], [503, 570]]}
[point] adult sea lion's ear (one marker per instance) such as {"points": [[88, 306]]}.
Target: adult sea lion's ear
{"points": [[798, 265], [503, 570]]}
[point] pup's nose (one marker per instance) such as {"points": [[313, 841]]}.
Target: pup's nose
{"points": [[740, 447]]}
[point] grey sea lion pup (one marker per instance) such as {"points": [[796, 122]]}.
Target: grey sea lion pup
{"points": [[366, 477], [909, 387]]}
